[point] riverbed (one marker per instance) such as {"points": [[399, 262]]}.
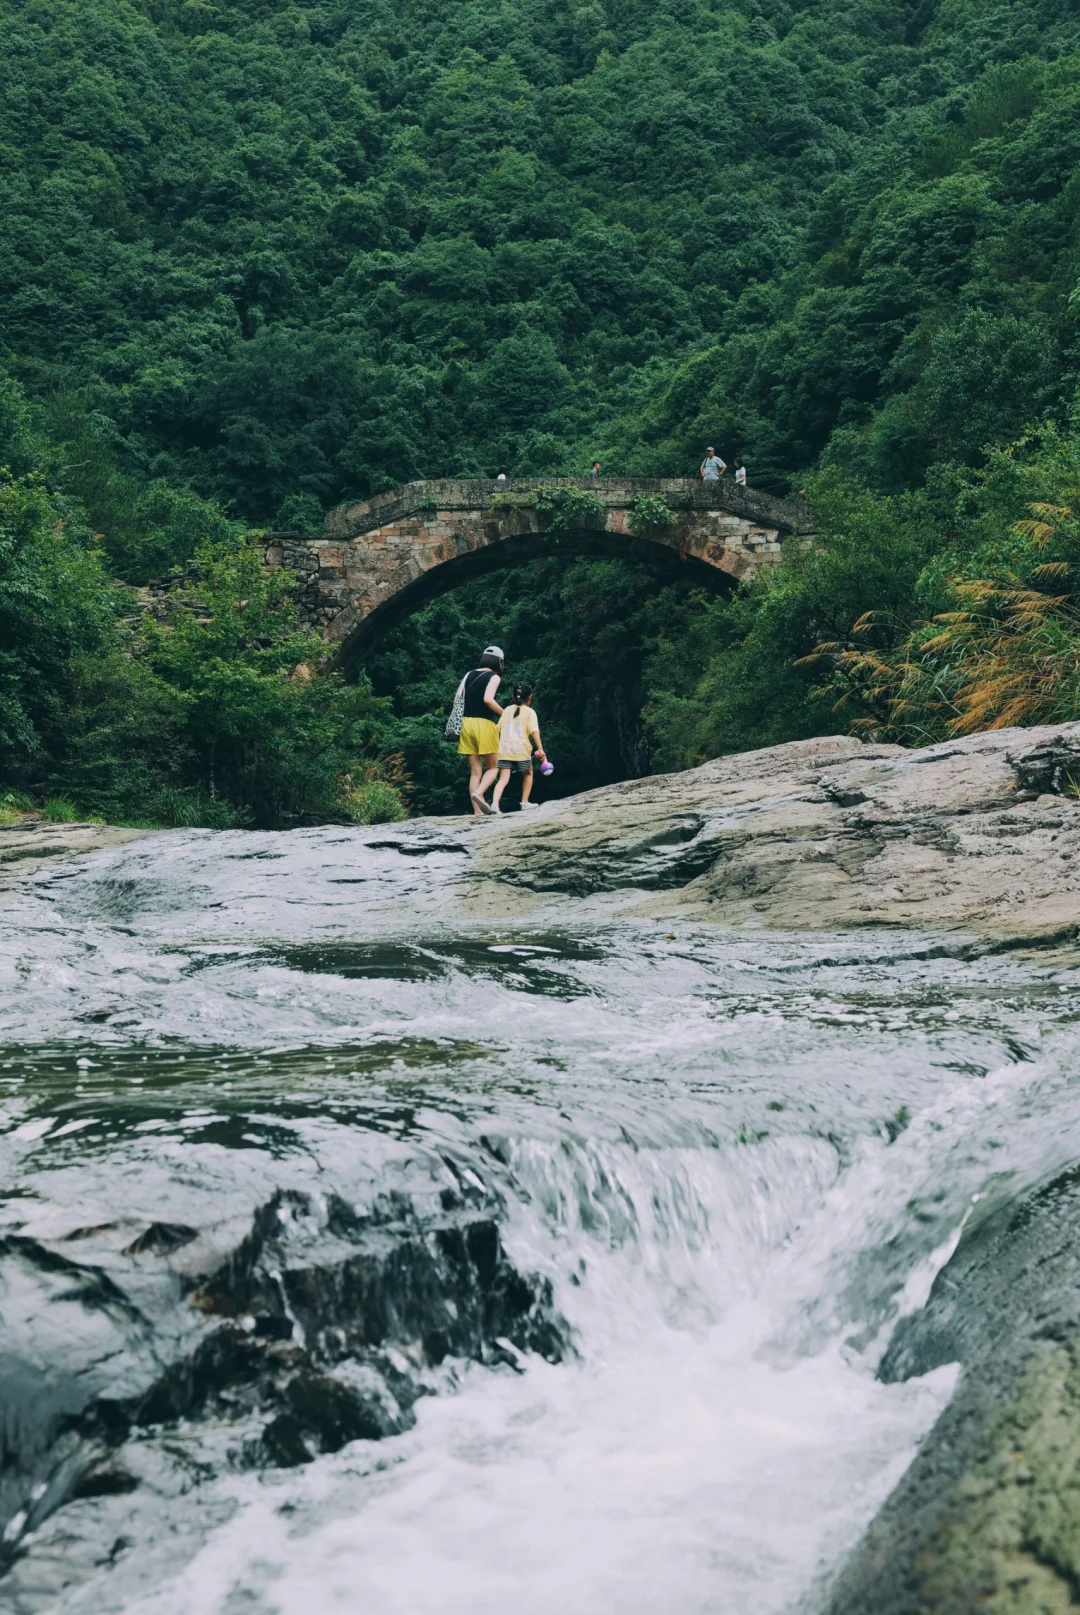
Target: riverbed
{"points": [[359, 1256]]}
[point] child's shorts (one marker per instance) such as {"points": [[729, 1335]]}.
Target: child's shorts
{"points": [[522, 764]]}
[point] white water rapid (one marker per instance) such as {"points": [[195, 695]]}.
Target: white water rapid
{"points": [[721, 1166]]}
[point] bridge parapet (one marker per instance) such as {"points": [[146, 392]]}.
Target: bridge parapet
{"points": [[617, 493], [377, 561]]}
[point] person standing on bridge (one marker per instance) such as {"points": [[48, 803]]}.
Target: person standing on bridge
{"points": [[712, 467], [595, 472], [479, 738], [740, 473]]}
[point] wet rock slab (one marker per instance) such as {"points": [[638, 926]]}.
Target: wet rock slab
{"points": [[143, 1303], [988, 1515], [979, 835], [32, 845]]}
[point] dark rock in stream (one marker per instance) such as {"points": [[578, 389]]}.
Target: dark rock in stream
{"points": [[319, 1327], [988, 1515]]}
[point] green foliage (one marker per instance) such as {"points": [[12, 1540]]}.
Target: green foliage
{"points": [[58, 810], [199, 715], [13, 804], [184, 808], [253, 726], [260, 259], [375, 801], [288, 253], [511, 499], [1004, 648], [649, 514], [146, 528], [57, 610], [734, 682], [562, 510]]}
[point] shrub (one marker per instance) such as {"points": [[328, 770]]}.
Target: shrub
{"points": [[59, 810], [512, 499], [649, 514], [186, 809], [1007, 650], [562, 509], [375, 801]]}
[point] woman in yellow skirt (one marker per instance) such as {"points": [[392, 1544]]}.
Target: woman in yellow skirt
{"points": [[479, 738]]}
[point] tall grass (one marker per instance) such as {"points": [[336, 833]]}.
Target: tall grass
{"points": [[1007, 655]]}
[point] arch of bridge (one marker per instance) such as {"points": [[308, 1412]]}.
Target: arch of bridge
{"points": [[377, 562]]}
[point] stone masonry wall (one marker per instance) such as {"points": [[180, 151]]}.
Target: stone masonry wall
{"points": [[369, 554]]}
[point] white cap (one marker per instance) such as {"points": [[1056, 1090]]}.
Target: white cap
{"points": [[493, 650]]}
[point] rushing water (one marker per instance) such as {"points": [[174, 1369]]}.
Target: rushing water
{"points": [[723, 1163]]}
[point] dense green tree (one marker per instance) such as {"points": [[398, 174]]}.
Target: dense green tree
{"points": [[200, 708], [292, 251], [259, 257]]}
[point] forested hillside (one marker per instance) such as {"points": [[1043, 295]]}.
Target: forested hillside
{"points": [[262, 257]]}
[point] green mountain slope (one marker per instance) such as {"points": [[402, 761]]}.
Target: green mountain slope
{"points": [[314, 250], [260, 258]]}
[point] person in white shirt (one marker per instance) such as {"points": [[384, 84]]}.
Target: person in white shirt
{"points": [[519, 732], [712, 467], [740, 473]]}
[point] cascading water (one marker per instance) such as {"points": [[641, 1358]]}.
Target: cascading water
{"points": [[356, 1258]]}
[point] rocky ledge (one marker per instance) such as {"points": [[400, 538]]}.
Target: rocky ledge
{"points": [[270, 1326], [988, 1516], [978, 835], [32, 843]]}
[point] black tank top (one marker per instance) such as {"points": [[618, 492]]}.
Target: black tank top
{"points": [[474, 693]]}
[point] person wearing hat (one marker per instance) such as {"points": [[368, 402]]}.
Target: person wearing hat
{"points": [[479, 738], [712, 467]]}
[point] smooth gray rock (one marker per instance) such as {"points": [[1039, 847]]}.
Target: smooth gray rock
{"points": [[32, 844], [988, 1515], [979, 835]]}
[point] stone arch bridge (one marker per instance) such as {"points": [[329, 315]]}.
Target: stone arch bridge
{"points": [[375, 563]]}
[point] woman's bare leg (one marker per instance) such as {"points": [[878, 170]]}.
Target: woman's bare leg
{"points": [[500, 786], [492, 773], [474, 782]]}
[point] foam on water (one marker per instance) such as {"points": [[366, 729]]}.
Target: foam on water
{"points": [[677, 1474], [677, 1466], [738, 1160]]}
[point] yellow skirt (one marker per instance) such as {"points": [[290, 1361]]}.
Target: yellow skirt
{"points": [[479, 737]]}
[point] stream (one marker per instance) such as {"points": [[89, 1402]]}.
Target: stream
{"points": [[354, 1257]]}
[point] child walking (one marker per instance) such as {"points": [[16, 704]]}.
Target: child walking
{"points": [[519, 731]]}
